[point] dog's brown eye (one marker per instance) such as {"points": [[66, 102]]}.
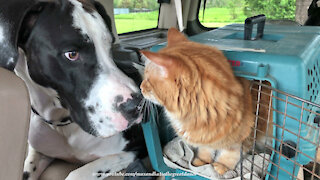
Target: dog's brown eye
{"points": [[72, 55]]}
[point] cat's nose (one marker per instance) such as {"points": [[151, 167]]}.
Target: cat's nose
{"points": [[131, 109]]}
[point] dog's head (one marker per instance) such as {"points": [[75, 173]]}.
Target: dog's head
{"points": [[313, 14], [67, 45]]}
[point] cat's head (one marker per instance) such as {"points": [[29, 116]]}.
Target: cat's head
{"points": [[184, 74], [165, 72]]}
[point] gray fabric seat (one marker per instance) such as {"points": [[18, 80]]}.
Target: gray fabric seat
{"points": [[14, 124]]}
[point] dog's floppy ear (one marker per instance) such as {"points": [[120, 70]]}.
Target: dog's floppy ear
{"points": [[11, 16], [28, 23], [313, 6], [313, 14], [61, 3], [101, 10]]}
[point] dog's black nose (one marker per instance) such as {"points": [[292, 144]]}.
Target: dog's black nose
{"points": [[137, 96], [131, 109]]}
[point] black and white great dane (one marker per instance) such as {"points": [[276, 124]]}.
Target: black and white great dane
{"points": [[84, 109]]}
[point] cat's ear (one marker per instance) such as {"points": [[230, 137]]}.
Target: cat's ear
{"points": [[175, 36], [163, 61]]}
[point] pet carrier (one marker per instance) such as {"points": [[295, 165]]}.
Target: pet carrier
{"points": [[283, 64]]}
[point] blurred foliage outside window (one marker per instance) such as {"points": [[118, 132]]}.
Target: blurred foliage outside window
{"points": [[135, 15], [222, 12]]}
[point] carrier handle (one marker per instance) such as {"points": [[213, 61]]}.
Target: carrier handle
{"points": [[249, 22]]}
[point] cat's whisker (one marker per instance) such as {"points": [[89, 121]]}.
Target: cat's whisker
{"points": [[142, 106], [151, 109], [141, 103], [146, 109]]}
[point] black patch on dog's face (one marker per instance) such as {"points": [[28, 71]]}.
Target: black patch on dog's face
{"points": [[314, 19], [313, 14], [52, 36]]}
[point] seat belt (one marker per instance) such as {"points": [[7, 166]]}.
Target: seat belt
{"points": [[178, 6]]}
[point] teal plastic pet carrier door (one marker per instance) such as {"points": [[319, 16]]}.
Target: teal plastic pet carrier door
{"points": [[284, 68]]}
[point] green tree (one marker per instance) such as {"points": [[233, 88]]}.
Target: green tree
{"points": [[273, 9], [131, 4], [233, 6], [124, 3], [152, 4], [217, 3], [139, 4]]}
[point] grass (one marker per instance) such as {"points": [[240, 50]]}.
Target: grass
{"points": [[153, 15], [129, 25], [136, 21], [217, 17], [214, 17]]}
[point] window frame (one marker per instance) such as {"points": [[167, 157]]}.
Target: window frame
{"points": [[198, 21]]}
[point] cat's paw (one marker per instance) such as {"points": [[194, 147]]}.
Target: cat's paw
{"points": [[220, 168], [198, 162]]}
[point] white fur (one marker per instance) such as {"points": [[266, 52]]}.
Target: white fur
{"points": [[10, 60], [95, 29], [39, 162], [140, 68], [93, 26], [114, 163], [149, 96], [69, 142], [83, 144], [101, 97], [145, 60], [6, 50], [4, 39], [111, 82], [155, 67], [42, 99], [1, 34]]}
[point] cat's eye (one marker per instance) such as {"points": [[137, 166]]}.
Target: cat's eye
{"points": [[72, 55]]}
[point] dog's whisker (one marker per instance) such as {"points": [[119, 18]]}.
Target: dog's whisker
{"points": [[144, 107], [141, 102], [149, 108], [140, 106]]}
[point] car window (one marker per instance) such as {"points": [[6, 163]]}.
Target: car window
{"points": [[135, 15], [222, 12]]}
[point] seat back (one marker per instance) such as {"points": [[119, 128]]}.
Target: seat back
{"points": [[14, 124]]}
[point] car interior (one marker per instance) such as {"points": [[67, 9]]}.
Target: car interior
{"points": [[181, 14]]}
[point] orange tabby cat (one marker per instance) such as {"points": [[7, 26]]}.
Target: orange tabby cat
{"points": [[207, 105]]}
